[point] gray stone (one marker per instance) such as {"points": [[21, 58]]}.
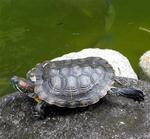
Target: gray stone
{"points": [[144, 64], [110, 118]]}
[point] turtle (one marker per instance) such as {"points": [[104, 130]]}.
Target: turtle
{"points": [[71, 83]]}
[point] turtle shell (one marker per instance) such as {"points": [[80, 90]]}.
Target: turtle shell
{"points": [[72, 83]]}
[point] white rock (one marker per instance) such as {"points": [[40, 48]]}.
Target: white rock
{"points": [[119, 62], [144, 64]]}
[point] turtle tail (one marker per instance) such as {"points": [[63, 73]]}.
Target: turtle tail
{"points": [[135, 94]]}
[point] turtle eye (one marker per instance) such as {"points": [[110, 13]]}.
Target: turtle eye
{"points": [[14, 80]]}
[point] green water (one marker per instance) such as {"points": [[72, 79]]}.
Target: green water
{"points": [[35, 30]]}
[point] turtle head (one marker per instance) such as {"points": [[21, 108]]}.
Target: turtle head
{"points": [[22, 85]]}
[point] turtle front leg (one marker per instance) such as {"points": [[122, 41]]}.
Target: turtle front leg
{"points": [[40, 109]]}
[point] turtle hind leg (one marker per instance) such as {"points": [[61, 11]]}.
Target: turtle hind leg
{"points": [[40, 110], [135, 94]]}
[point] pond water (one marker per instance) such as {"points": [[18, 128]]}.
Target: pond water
{"points": [[35, 30]]}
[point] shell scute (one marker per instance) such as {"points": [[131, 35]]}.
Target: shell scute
{"points": [[71, 84], [76, 70], [56, 82], [85, 82]]}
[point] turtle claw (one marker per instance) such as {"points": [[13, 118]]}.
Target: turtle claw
{"points": [[36, 114], [139, 97], [39, 115]]}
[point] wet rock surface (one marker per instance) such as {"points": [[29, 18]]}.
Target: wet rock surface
{"points": [[111, 118]]}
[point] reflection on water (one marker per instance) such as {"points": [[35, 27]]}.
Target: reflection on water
{"points": [[34, 30]]}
